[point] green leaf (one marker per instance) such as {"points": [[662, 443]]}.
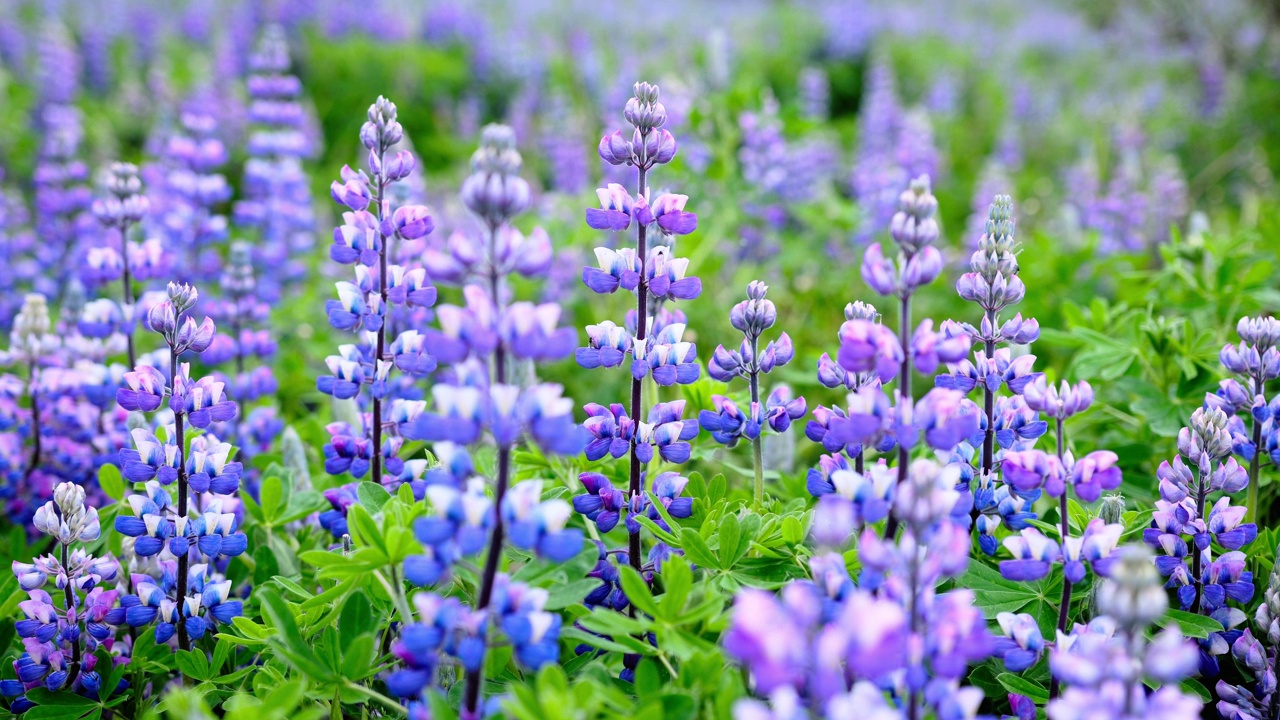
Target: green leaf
{"points": [[1191, 625], [648, 682], [357, 618], [111, 481], [271, 497], [717, 490], [1023, 686], [1197, 688], [637, 590], [657, 531], [364, 530], [677, 579], [792, 530], [193, 664], [993, 593], [731, 545], [358, 657], [696, 549], [373, 496]]}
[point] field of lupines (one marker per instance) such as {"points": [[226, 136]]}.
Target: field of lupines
{"points": [[909, 361]]}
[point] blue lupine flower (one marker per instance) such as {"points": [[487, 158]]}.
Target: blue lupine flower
{"points": [[608, 346], [538, 525], [1033, 555], [665, 357]]}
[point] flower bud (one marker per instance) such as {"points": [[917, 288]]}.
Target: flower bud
{"points": [[615, 149], [913, 226], [182, 295], [162, 318], [413, 221], [860, 311], [1133, 595]]}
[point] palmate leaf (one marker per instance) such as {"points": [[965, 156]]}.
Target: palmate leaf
{"points": [[1190, 624], [1023, 686], [993, 593]]}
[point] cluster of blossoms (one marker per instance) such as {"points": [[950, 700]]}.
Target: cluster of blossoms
{"points": [[1027, 473], [363, 370], [728, 423], [62, 632], [653, 335], [62, 199], [68, 426], [481, 394], [871, 355], [836, 648], [1256, 657], [779, 174], [124, 207], [1136, 206], [1008, 424], [188, 196], [1107, 664], [276, 198], [180, 544], [893, 147], [1255, 361], [1185, 528], [444, 629]]}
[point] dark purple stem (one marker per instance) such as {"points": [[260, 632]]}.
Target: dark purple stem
{"points": [[376, 460], [184, 560], [642, 321], [494, 556], [904, 394], [1065, 605], [35, 423]]}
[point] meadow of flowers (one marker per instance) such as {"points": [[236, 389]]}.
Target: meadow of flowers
{"points": [[765, 361]]}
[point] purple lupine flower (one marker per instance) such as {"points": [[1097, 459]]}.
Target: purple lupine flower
{"points": [[664, 356], [1105, 667], [1033, 555], [1058, 402], [867, 347]]}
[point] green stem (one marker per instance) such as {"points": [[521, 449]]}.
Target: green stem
{"points": [[758, 458], [397, 596], [377, 697]]}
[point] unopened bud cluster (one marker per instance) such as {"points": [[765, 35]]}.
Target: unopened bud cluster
{"points": [[495, 191], [753, 316], [1207, 439], [66, 517], [649, 144], [1133, 595]]}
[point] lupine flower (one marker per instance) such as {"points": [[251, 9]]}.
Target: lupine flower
{"points": [[1105, 668], [458, 526], [1033, 555], [540, 526], [1061, 402]]}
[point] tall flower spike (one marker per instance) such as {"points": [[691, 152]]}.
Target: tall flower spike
{"points": [[371, 226], [276, 198], [1193, 515], [727, 423], [61, 636], [486, 341], [1255, 361], [1106, 663], [914, 230], [124, 207], [198, 530], [652, 333], [993, 284]]}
